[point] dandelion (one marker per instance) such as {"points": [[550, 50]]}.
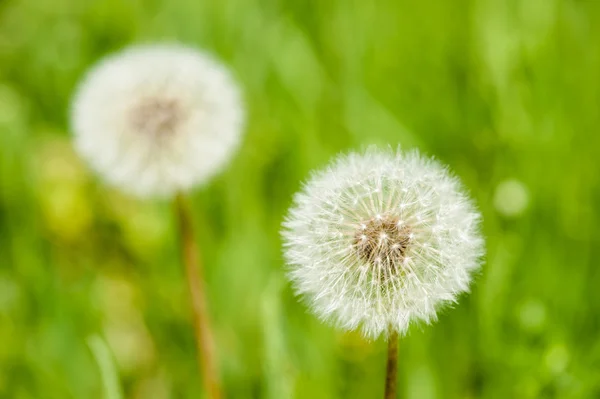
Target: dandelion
{"points": [[155, 120], [381, 240]]}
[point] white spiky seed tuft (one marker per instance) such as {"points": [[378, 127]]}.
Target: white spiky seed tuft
{"points": [[157, 119], [380, 240]]}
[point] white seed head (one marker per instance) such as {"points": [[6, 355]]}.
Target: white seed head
{"points": [[156, 119], [381, 240]]}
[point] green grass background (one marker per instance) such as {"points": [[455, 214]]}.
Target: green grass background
{"points": [[498, 89]]}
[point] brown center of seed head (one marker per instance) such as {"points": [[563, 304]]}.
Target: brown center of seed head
{"points": [[382, 242], [156, 116]]}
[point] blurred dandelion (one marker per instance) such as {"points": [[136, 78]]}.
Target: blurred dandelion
{"points": [[380, 240], [155, 120]]}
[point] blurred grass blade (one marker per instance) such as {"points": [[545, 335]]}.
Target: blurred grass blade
{"points": [[108, 371], [278, 370]]}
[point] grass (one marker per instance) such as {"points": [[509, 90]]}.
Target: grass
{"points": [[497, 89]]}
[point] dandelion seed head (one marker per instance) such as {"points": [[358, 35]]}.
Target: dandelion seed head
{"points": [[381, 239], [157, 119]]}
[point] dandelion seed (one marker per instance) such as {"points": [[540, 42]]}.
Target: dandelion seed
{"points": [[157, 119], [407, 241]]}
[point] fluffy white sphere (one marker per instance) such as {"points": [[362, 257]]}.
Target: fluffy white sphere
{"points": [[380, 240], [156, 119]]}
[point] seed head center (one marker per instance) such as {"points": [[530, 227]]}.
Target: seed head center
{"points": [[156, 116], [382, 242]]}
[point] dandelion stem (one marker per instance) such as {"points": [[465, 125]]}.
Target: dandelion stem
{"points": [[190, 254], [391, 375]]}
